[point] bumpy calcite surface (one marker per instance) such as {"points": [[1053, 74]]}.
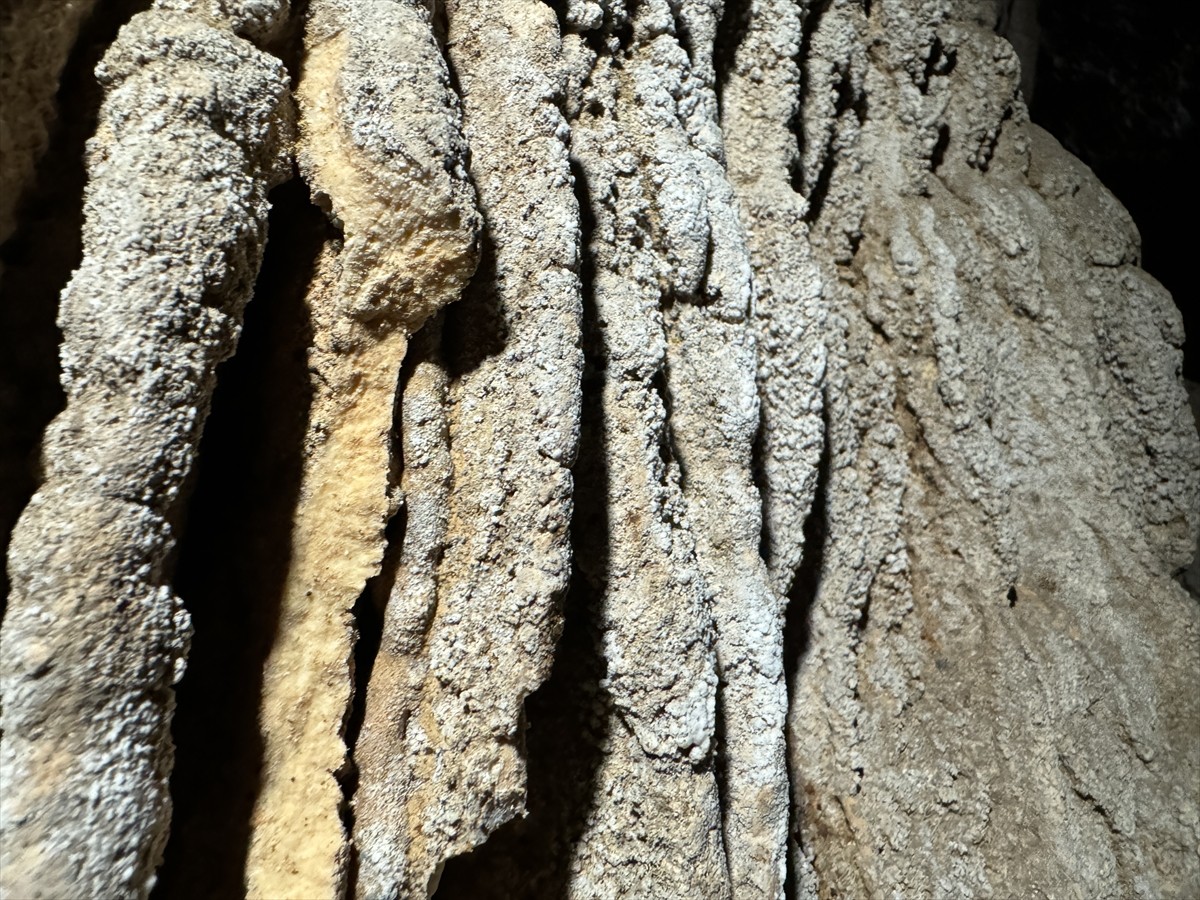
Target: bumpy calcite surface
{"points": [[489, 434], [995, 699], [848, 352], [391, 850], [677, 345], [94, 637], [381, 147], [650, 602], [916, 260], [760, 105]]}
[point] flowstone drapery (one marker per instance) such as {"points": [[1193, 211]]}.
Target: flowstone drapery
{"points": [[732, 453]]}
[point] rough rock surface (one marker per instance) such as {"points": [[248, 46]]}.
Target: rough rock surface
{"points": [[994, 533], [742, 448], [381, 147], [94, 637], [490, 426]]}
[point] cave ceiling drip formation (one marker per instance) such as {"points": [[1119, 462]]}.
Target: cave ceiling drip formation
{"points": [[620, 449]]}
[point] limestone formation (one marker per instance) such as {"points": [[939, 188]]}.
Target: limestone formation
{"points": [[743, 459], [94, 637], [381, 147], [490, 427], [992, 535]]}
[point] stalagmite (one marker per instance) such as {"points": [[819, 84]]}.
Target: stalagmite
{"points": [[380, 145], [94, 637]]}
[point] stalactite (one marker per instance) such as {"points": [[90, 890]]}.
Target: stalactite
{"points": [[94, 637], [728, 452], [473, 619], [381, 148]]}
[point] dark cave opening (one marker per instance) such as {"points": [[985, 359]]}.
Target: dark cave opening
{"points": [[233, 557]]}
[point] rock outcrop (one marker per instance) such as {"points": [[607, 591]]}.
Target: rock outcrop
{"points": [[742, 459], [380, 146]]}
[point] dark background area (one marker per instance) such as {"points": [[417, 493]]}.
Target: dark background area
{"points": [[1118, 83]]}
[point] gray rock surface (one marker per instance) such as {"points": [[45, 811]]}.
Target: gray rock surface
{"points": [[490, 428], [794, 500], [94, 637]]}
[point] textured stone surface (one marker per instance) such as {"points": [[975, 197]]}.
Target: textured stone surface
{"points": [[94, 637], [490, 426], [381, 148], [742, 448], [993, 536]]}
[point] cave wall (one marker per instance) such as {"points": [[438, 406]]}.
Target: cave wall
{"points": [[599, 450]]}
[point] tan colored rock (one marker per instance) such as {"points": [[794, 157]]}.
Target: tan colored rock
{"points": [[388, 838], [381, 148], [789, 507], [490, 430], [974, 716]]}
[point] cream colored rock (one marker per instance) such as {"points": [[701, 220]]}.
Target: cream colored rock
{"points": [[381, 148]]}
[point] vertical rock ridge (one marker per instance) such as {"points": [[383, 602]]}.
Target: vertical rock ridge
{"points": [[381, 149], [649, 243], [786, 508], [789, 316], [714, 417], [473, 622], [382, 832], [760, 104], [94, 637], [971, 450]]}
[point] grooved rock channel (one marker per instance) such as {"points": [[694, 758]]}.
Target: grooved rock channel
{"points": [[624, 449]]}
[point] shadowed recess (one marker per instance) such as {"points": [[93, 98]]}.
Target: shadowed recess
{"points": [[797, 629], [233, 559], [35, 265]]}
